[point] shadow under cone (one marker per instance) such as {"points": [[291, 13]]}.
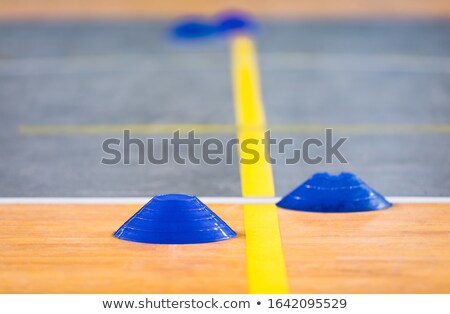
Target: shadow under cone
{"points": [[175, 219], [334, 194]]}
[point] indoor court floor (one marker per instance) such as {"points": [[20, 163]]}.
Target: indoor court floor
{"points": [[67, 85]]}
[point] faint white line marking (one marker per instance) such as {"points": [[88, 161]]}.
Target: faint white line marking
{"points": [[206, 199], [62, 65]]}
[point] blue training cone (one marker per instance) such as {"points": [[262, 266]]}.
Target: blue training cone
{"points": [[193, 28], [175, 219], [234, 21], [225, 23], [326, 193]]}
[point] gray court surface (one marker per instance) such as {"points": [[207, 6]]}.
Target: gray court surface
{"points": [[387, 78]]}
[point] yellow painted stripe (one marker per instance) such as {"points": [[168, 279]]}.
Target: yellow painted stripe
{"points": [[349, 129], [265, 260]]}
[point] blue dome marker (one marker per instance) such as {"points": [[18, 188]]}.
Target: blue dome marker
{"points": [[232, 21], [193, 28], [325, 193], [174, 219]]}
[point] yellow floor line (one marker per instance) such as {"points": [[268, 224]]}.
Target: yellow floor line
{"points": [[265, 260], [92, 129]]}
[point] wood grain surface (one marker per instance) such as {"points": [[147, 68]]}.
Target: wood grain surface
{"points": [[404, 249], [70, 249], [44, 9]]}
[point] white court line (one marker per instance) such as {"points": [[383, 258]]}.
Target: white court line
{"points": [[60, 65], [282, 56], [207, 199]]}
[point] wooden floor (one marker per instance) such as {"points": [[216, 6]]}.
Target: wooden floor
{"points": [[70, 248], [44, 9]]}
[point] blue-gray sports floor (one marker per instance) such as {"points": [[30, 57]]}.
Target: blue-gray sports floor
{"points": [[383, 84]]}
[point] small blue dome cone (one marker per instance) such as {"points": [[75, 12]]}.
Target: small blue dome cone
{"points": [[175, 219], [232, 21], [193, 28], [325, 193]]}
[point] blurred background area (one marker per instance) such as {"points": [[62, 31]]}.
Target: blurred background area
{"points": [[377, 69], [44, 9]]}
